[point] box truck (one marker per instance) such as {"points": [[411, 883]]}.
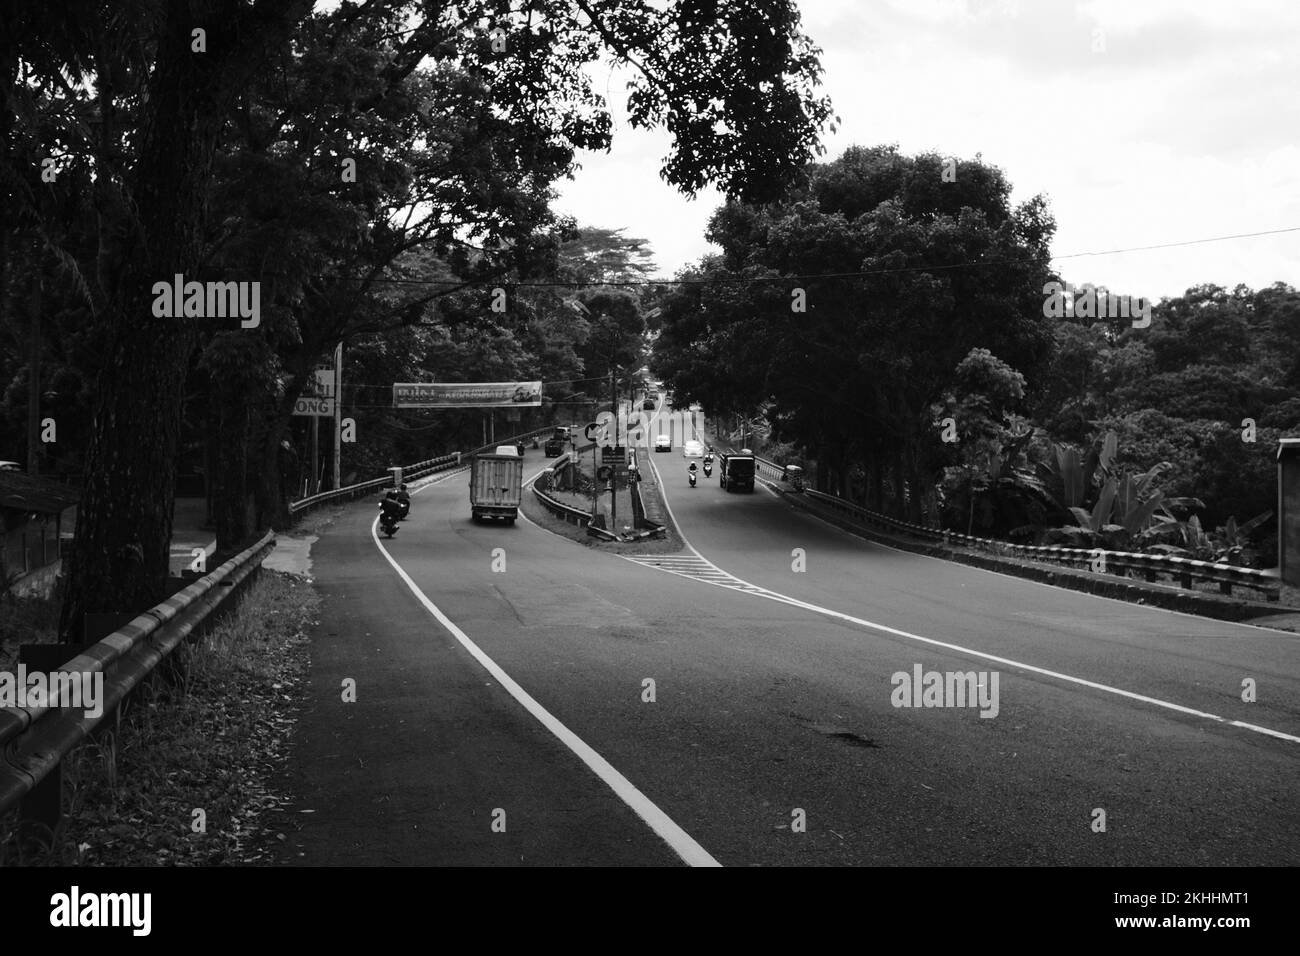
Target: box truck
{"points": [[496, 484]]}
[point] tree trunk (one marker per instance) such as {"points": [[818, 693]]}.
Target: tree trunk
{"points": [[899, 504], [230, 499], [917, 487], [119, 560], [876, 484]]}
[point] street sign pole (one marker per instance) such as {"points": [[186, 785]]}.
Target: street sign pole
{"points": [[338, 413], [315, 454]]}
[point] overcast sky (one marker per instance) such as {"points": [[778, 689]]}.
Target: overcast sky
{"points": [[1184, 126]]}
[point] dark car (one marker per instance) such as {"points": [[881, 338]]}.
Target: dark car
{"points": [[648, 404]]}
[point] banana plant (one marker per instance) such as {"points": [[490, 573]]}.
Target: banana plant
{"points": [[1126, 509], [1229, 543], [1069, 476]]}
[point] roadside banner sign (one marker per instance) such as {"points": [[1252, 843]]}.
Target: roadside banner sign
{"points": [[467, 394]]}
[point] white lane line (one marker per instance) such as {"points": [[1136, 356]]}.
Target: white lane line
{"points": [[681, 842], [1019, 665], [771, 489]]}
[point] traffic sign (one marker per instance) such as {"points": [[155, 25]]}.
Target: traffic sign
{"points": [[316, 407], [604, 473], [325, 381], [592, 430], [614, 455]]}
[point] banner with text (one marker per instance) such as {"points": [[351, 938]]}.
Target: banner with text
{"points": [[467, 394]]}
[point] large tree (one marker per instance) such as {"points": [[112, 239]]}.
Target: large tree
{"points": [[845, 306], [135, 93]]}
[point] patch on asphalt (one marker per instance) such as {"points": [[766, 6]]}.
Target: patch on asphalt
{"points": [[291, 554], [836, 732], [574, 606]]}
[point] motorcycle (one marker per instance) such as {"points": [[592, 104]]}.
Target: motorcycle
{"points": [[691, 475], [388, 517], [708, 470]]}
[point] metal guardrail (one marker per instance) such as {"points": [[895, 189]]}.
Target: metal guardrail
{"points": [[36, 739], [555, 506], [560, 509], [431, 466], [1183, 570], [303, 505]]}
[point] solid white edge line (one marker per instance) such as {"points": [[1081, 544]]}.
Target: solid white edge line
{"points": [[771, 595], [678, 839]]}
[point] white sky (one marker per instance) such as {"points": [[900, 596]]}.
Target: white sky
{"points": [[1185, 127]]}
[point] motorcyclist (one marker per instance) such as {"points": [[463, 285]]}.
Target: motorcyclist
{"points": [[690, 473], [390, 508], [404, 500]]}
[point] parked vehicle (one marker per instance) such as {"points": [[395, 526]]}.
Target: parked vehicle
{"points": [[736, 470], [496, 482]]}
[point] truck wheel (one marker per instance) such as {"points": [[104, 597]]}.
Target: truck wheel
{"points": [[510, 521]]}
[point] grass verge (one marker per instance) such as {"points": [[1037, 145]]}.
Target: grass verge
{"points": [[209, 742]]}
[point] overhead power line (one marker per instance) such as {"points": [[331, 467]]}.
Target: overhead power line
{"points": [[812, 277]]}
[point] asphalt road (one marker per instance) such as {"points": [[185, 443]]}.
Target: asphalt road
{"points": [[767, 713]]}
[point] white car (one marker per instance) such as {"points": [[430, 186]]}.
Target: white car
{"points": [[693, 449], [663, 443], [10, 466]]}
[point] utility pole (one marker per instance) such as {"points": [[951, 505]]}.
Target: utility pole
{"points": [[34, 382], [613, 481]]}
